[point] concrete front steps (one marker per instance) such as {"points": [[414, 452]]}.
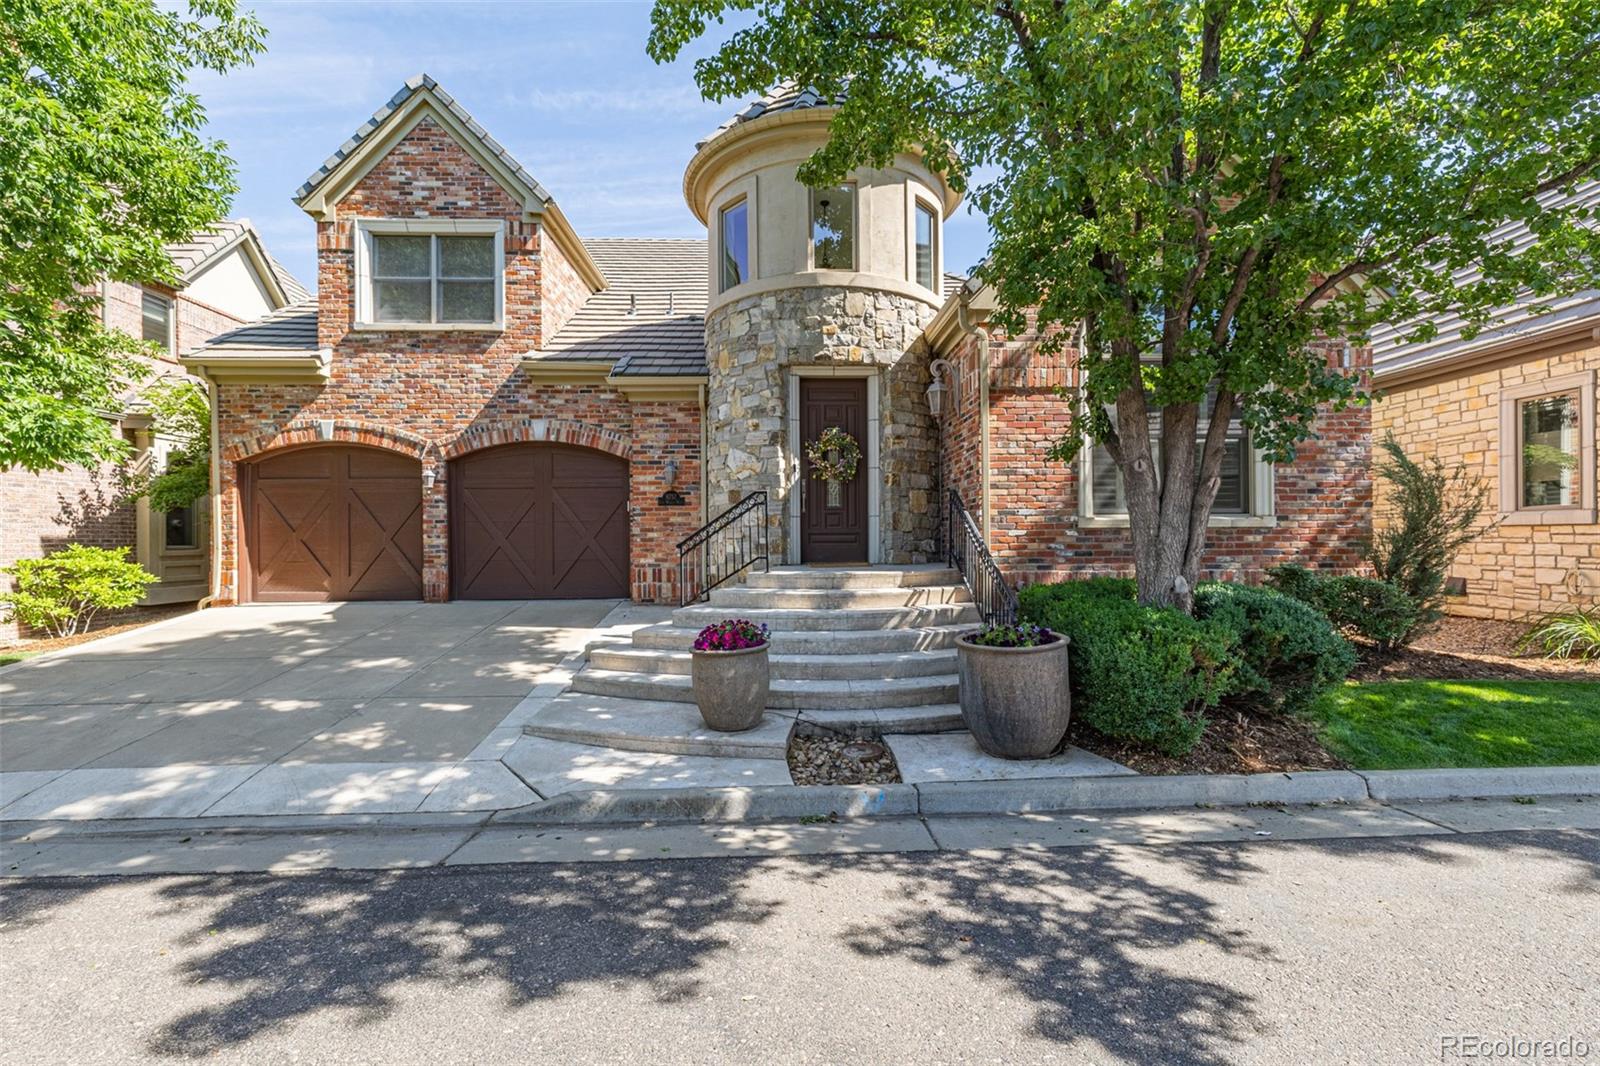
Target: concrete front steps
{"points": [[854, 651]]}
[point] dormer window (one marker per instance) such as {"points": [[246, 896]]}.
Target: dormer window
{"points": [[734, 228], [833, 228], [927, 228], [430, 274]]}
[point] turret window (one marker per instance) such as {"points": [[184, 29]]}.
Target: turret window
{"points": [[927, 228], [735, 244], [833, 228]]}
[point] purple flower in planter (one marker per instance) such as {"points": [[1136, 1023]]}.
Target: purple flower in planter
{"points": [[731, 634]]}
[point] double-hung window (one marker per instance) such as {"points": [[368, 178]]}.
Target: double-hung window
{"points": [[446, 274]]}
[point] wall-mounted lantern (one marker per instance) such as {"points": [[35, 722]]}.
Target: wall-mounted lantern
{"points": [[937, 388]]}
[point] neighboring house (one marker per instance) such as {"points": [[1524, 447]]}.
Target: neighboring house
{"points": [[480, 404], [226, 278], [1515, 404]]}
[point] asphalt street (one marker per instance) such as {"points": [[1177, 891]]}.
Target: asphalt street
{"points": [[1374, 950]]}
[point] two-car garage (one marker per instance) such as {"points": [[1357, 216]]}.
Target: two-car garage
{"points": [[343, 522]]}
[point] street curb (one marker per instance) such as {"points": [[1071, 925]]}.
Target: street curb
{"points": [[764, 803], [1489, 783], [63, 829], [1110, 792]]}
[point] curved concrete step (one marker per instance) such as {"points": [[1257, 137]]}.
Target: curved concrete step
{"points": [[816, 642], [877, 666], [785, 693], [661, 726], [874, 723], [938, 614], [876, 577], [786, 599]]}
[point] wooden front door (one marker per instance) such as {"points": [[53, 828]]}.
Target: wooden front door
{"points": [[539, 521], [833, 515], [333, 522]]}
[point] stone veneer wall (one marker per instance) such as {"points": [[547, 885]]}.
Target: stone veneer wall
{"points": [[752, 342], [435, 394], [1515, 570], [1322, 500]]}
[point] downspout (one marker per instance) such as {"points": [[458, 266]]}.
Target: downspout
{"points": [[967, 326], [215, 584]]}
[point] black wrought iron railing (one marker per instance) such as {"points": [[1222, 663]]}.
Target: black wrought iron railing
{"points": [[994, 597], [723, 548]]}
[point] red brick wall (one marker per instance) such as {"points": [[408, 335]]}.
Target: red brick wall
{"points": [[1322, 500], [564, 290], [446, 392]]}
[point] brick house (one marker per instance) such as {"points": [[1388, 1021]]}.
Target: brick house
{"points": [[226, 279], [1514, 404], [481, 404]]}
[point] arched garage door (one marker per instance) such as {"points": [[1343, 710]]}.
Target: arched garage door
{"points": [[535, 521], [333, 522]]}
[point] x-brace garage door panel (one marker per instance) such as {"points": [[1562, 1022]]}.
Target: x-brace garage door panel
{"points": [[542, 521], [332, 522]]}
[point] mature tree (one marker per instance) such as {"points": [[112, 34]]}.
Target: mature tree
{"points": [[1206, 187], [102, 161]]}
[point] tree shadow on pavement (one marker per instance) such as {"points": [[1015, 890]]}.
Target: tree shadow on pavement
{"points": [[1081, 937], [290, 946]]}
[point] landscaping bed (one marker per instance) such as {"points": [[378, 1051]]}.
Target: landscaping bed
{"points": [[1458, 648], [824, 760], [1234, 742], [131, 619]]}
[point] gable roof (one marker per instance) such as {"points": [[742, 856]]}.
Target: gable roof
{"points": [[194, 256], [429, 90], [651, 320], [422, 97], [1526, 320]]}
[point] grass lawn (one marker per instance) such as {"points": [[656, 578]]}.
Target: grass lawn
{"points": [[1400, 725], [9, 657]]}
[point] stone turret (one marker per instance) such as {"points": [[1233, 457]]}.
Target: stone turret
{"points": [[819, 285]]}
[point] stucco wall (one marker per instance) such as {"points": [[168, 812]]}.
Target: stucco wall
{"points": [[1513, 571]]}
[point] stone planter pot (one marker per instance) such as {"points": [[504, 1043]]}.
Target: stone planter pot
{"points": [[730, 687], [1015, 700]]}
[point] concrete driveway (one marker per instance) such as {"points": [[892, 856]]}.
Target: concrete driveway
{"points": [[283, 709]]}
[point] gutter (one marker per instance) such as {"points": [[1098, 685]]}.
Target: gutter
{"points": [[214, 397]]}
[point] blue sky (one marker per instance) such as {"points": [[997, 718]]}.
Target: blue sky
{"points": [[566, 87]]}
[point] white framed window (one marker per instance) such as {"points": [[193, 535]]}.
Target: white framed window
{"points": [[1243, 498], [925, 245], [430, 274], [733, 244], [833, 227], [1547, 451], [155, 319]]}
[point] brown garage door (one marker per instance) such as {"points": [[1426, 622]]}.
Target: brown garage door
{"points": [[538, 521], [330, 522]]}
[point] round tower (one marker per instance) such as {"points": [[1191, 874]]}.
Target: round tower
{"points": [[818, 299]]}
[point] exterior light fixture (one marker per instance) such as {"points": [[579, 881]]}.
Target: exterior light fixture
{"points": [[672, 472], [937, 389]]}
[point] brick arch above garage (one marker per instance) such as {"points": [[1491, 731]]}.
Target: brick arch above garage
{"points": [[343, 431], [541, 431]]}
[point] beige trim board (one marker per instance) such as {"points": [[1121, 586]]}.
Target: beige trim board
{"points": [[565, 371], [662, 387], [265, 368]]}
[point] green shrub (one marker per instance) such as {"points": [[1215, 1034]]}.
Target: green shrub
{"points": [[1145, 674], [62, 592], [1289, 653], [1374, 609], [1569, 634], [1431, 513]]}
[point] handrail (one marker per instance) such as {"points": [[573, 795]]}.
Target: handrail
{"points": [[996, 600], [723, 548]]}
